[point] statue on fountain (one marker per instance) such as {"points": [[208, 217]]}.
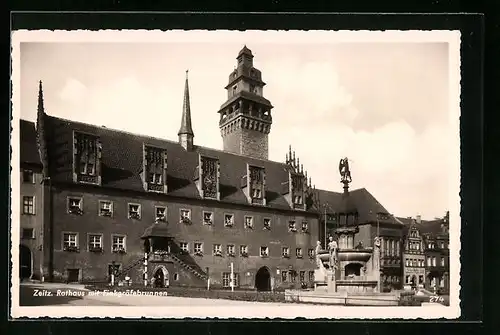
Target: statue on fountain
{"points": [[332, 250], [344, 170], [318, 260]]}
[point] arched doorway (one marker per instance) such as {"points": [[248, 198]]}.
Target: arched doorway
{"points": [[263, 279], [25, 262], [161, 277]]}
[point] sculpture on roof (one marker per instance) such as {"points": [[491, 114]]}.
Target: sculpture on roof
{"points": [[345, 173]]}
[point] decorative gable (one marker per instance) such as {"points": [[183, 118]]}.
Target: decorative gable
{"points": [[254, 185], [154, 169], [207, 177], [87, 155]]}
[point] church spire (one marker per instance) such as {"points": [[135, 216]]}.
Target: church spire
{"points": [[186, 131]]}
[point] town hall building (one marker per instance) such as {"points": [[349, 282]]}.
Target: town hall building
{"points": [[97, 201]]}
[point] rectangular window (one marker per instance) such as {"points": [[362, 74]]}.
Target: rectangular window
{"points": [[28, 233], [185, 215], [248, 222], [160, 214], [305, 226], [228, 220], [230, 250], [28, 177], [217, 250], [284, 276], [311, 276], [118, 244], [429, 261], [267, 223], [86, 156], [285, 252], [397, 248], [298, 252], [291, 226], [134, 211], [310, 253], [302, 276], [70, 241], [75, 205], [244, 250], [184, 246], [264, 251], [105, 208], [442, 261], [226, 279], [208, 218], [29, 205], [198, 248], [442, 245], [95, 242]]}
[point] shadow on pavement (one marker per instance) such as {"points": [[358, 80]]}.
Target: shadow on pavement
{"points": [[29, 296]]}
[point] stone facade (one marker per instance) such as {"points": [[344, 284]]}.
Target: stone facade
{"points": [[31, 225]]}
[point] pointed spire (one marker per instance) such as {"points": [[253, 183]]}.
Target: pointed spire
{"points": [[186, 128], [286, 159], [41, 108]]}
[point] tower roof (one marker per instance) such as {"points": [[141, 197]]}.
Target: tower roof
{"points": [[186, 127], [245, 51], [40, 98]]}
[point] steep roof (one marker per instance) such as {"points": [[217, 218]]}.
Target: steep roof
{"points": [[122, 163], [364, 202], [431, 227], [28, 144]]}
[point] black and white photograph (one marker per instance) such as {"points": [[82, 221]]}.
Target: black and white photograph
{"points": [[236, 174]]}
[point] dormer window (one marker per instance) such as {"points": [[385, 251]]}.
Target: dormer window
{"points": [[207, 177], [255, 184], [87, 152], [154, 169]]}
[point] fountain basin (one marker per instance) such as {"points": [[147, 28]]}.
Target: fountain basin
{"points": [[351, 255]]}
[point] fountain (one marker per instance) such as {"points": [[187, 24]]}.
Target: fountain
{"points": [[347, 274]]}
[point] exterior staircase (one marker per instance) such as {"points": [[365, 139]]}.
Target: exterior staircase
{"points": [[130, 266], [193, 268]]}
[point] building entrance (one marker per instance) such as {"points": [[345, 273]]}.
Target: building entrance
{"points": [[263, 279], [161, 277], [25, 262]]}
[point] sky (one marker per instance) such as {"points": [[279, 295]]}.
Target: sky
{"points": [[385, 106]]}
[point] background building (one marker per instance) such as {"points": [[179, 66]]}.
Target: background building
{"points": [[434, 251]]}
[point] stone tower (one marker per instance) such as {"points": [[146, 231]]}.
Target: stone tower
{"points": [[245, 118]]}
